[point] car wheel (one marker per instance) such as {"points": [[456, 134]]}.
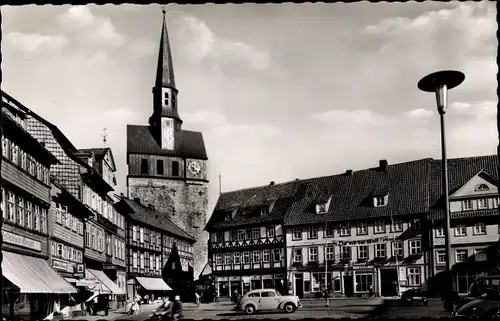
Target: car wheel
{"points": [[249, 309], [289, 308]]}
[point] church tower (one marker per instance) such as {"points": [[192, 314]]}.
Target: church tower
{"points": [[167, 165]]}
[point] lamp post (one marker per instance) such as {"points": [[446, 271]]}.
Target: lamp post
{"points": [[440, 82]]}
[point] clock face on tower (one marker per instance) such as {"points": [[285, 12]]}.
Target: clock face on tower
{"points": [[194, 167]]}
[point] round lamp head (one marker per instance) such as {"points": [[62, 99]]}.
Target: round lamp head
{"points": [[448, 78], [439, 83]]}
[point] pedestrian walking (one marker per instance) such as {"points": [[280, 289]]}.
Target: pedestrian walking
{"points": [[370, 291], [177, 308], [216, 296], [197, 297]]}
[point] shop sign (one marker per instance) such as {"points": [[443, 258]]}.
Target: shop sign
{"points": [[267, 277], [234, 278], [223, 278], [80, 268], [109, 267], [78, 275], [245, 279], [279, 276], [70, 267], [59, 265], [20, 240], [255, 277]]}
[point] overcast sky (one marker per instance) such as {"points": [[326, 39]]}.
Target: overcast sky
{"points": [[279, 91]]}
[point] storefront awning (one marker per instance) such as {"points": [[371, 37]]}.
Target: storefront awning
{"points": [[91, 284], [103, 278], [33, 275], [153, 284]]}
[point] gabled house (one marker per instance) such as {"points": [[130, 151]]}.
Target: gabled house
{"points": [[473, 188]]}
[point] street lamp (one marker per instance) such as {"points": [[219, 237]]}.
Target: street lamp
{"points": [[440, 82]]}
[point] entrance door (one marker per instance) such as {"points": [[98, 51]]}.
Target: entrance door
{"points": [[388, 282], [348, 285], [299, 286]]}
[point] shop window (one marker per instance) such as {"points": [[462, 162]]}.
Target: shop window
{"points": [[363, 282], [307, 286]]}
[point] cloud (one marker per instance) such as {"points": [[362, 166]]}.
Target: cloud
{"points": [[204, 45], [474, 22], [479, 110], [35, 42], [419, 113], [95, 29], [219, 125], [351, 117]]}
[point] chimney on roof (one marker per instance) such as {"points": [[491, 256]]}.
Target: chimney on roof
{"points": [[383, 165], [348, 172], [137, 200], [272, 183]]}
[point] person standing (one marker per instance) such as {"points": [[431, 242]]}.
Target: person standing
{"points": [[176, 308], [197, 297]]}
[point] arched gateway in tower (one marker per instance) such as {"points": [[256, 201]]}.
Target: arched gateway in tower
{"points": [[167, 165]]}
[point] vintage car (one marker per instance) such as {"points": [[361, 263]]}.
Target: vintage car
{"points": [[268, 299], [485, 306]]}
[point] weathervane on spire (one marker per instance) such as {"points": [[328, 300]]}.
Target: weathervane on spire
{"points": [[164, 9], [104, 136]]}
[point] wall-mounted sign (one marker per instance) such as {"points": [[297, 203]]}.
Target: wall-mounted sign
{"points": [[70, 267], [109, 267], [234, 278], [20, 240], [59, 265], [80, 268]]}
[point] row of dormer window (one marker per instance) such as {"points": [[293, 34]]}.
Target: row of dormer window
{"points": [[247, 257], [378, 201], [345, 252], [345, 229], [243, 234], [25, 161]]}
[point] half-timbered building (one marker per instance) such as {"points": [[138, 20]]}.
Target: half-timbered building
{"points": [[151, 239], [106, 232], [246, 246], [78, 178], [29, 285]]}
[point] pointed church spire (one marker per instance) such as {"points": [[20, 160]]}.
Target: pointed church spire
{"points": [[165, 70]]}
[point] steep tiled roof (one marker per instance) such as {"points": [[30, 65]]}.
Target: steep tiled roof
{"points": [[187, 143], [248, 202], [352, 195], [460, 171], [153, 218]]}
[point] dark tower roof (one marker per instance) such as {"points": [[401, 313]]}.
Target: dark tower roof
{"points": [[165, 69]]}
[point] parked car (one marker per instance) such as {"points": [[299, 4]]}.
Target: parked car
{"points": [[268, 299], [485, 306], [478, 288]]}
